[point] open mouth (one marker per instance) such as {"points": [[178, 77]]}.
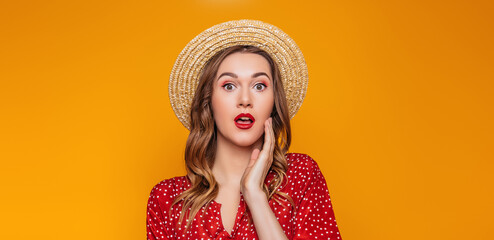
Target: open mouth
{"points": [[244, 121]]}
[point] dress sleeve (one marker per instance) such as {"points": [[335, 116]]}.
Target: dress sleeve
{"points": [[315, 217], [156, 221]]}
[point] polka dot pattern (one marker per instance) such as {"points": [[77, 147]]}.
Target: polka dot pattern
{"points": [[311, 218]]}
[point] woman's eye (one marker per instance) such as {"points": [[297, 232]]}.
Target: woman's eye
{"points": [[260, 86], [228, 86]]}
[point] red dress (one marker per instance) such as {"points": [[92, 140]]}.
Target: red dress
{"points": [[312, 218]]}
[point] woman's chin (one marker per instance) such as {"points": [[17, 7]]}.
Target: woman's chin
{"points": [[244, 142], [243, 138]]}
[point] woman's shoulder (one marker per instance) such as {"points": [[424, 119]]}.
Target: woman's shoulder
{"points": [[300, 161], [171, 187], [302, 165]]}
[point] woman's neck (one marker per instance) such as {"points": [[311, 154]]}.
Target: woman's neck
{"points": [[230, 161]]}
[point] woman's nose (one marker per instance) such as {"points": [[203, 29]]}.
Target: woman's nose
{"points": [[245, 100]]}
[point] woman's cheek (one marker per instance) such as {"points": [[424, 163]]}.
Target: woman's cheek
{"points": [[222, 110]]}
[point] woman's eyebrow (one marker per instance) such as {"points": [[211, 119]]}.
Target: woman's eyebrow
{"points": [[260, 74], [233, 75]]}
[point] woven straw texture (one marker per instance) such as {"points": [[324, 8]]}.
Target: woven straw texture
{"points": [[190, 62]]}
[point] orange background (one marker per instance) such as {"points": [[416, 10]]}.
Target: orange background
{"points": [[398, 113]]}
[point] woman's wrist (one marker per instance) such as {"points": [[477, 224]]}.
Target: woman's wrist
{"points": [[253, 195]]}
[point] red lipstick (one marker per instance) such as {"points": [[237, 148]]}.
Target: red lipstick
{"points": [[244, 121]]}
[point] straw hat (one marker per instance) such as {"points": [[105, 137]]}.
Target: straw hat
{"points": [[186, 71]]}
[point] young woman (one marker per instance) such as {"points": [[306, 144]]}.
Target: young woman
{"points": [[248, 79]]}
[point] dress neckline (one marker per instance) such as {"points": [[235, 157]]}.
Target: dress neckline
{"points": [[238, 217]]}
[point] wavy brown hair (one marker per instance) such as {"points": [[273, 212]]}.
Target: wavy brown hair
{"points": [[200, 149]]}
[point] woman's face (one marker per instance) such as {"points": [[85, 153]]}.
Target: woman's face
{"points": [[243, 84]]}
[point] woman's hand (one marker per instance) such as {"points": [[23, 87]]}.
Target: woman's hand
{"points": [[267, 225], [260, 161]]}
